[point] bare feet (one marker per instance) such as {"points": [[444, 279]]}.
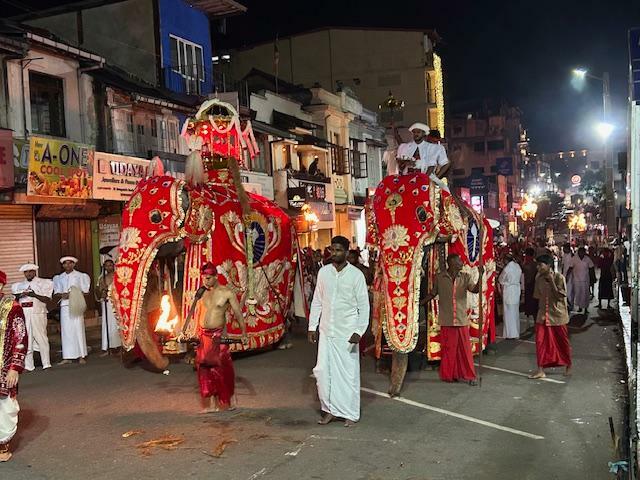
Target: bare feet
{"points": [[327, 418], [82, 361], [65, 362], [5, 456], [349, 423], [209, 410], [567, 371], [537, 375]]}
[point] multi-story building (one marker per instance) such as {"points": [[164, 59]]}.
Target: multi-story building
{"points": [[488, 145], [371, 62]]}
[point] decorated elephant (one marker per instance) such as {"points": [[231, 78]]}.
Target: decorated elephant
{"points": [[414, 224], [209, 218]]}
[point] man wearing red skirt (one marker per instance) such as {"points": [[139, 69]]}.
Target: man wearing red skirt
{"points": [[552, 336], [451, 286]]}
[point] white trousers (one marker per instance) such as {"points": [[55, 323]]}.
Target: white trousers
{"points": [[9, 409], [74, 341], [511, 327], [38, 339], [337, 375], [110, 333]]}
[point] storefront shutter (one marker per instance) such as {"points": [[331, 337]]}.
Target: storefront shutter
{"points": [[16, 241]]}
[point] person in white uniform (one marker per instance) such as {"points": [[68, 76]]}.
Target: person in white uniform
{"points": [[33, 293], [429, 158], [509, 280], [340, 308], [69, 289], [110, 334], [579, 269]]}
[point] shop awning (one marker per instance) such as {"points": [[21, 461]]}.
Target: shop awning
{"points": [[289, 122], [271, 130]]}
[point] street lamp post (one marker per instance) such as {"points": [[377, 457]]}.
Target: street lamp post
{"points": [[605, 129]]}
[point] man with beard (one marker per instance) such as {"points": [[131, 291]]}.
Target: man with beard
{"points": [[421, 155]]}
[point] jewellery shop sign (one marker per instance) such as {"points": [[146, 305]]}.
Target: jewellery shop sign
{"points": [[115, 176], [59, 168]]}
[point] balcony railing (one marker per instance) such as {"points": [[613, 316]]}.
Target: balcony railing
{"points": [[188, 79]]}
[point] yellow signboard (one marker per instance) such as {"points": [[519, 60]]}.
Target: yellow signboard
{"points": [[59, 168]]}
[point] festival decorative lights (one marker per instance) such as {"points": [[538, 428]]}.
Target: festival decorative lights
{"points": [[528, 209], [437, 66]]}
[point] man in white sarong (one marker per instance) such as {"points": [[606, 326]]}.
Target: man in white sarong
{"points": [[509, 280], [579, 269], [33, 293], [110, 334], [567, 259], [341, 307], [69, 289]]}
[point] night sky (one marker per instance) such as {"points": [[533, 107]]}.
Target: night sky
{"points": [[521, 51]]}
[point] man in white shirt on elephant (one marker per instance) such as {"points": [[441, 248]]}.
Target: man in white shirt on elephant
{"points": [[421, 155], [340, 307], [69, 289], [33, 293]]}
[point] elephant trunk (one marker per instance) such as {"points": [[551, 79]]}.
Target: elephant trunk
{"points": [[149, 347], [399, 362]]}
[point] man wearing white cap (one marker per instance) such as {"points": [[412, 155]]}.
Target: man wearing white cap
{"points": [[429, 158], [69, 289], [33, 293]]}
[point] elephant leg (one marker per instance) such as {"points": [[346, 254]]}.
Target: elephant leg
{"points": [[399, 364], [149, 347]]}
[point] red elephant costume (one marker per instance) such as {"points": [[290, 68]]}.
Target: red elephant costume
{"points": [[407, 216]]}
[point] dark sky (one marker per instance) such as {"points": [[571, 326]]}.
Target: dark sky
{"points": [[522, 51]]}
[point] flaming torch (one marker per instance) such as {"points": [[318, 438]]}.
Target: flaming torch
{"points": [[528, 209], [166, 325], [576, 222]]}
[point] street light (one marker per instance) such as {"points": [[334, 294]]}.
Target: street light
{"points": [[605, 129]]}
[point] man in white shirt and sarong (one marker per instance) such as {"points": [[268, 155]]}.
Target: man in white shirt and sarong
{"points": [[33, 293], [110, 334], [420, 155], [509, 280], [579, 270], [69, 289], [340, 307]]}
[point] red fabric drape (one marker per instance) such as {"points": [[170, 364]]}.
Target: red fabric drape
{"points": [[552, 346], [457, 361], [216, 376]]}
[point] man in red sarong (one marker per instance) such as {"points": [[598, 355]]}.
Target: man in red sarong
{"points": [[216, 376], [451, 286], [13, 348], [552, 336]]}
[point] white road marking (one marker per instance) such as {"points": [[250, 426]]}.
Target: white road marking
{"points": [[259, 473], [520, 374], [454, 414]]}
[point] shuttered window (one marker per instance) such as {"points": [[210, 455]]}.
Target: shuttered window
{"points": [[16, 241]]}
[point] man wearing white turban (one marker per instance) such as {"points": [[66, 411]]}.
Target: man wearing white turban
{"points": [[33, 293], [69, 289], [429, 158]]}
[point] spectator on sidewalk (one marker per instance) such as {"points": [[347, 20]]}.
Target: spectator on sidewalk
{"points": [[509, 281], [605, 283], [580, 266]]}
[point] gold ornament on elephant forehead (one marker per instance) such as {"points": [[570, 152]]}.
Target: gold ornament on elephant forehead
{"points": [[392, 203]]}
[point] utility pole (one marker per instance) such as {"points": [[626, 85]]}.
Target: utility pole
{"points": [[609, 212]]}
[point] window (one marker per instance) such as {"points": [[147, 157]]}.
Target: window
{"points": [[459, 172], [130, 122], [477, 170], [154, 128], [495, 145], [187, 60], [478, 147], [140, 130], [47, 104]]}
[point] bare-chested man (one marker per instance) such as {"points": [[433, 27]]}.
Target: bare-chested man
{"points": [[213, 359]]}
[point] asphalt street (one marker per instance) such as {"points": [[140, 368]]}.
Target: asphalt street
{"points": [[101, 421]]}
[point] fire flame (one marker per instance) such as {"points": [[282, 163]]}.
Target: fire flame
{"points": [[165, 325]]}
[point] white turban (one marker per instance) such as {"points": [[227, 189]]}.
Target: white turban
{"points": [[73, 259], [27, 267], [420, 126]]}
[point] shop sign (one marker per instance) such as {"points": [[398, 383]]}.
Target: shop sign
{"points": [[108, 237], [115, 176], [6, 159], [478, 184], [297, 197], [354, 213], [504, 166], [315, 191], [59, 168]]}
